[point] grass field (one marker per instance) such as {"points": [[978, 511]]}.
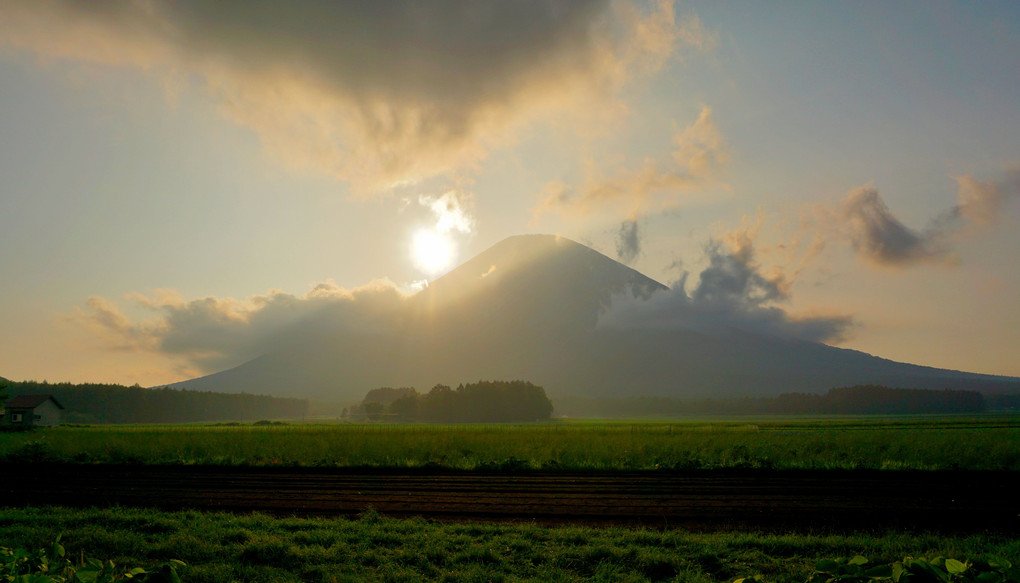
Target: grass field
{"points": [[257, 548], [981, 443]]}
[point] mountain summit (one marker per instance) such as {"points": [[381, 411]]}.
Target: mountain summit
{"points": [[529, 308], [541, 283]]}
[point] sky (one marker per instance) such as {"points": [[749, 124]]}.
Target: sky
{"points": [[181, 181]]}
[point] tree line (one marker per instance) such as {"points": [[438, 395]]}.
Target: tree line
{"points": [[856, 400], [481, 402], [112, 403]]}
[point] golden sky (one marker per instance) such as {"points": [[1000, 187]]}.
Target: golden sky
{"points": [[184, 181]]}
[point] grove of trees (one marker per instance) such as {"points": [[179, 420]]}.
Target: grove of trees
{"points": [[481, 402]]}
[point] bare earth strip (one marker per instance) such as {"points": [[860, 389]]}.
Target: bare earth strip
{"points": [[704, 500]]}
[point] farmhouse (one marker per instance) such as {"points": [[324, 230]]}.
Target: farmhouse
{"points": [[27, 411]]}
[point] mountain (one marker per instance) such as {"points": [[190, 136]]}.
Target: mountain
{"points": [[528, 308]]}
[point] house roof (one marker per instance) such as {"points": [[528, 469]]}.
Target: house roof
{"points": [[30, 401]]}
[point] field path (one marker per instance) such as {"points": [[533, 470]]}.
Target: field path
{"points": [[941, 501]]}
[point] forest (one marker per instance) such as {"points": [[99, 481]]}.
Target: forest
{"points": [[481, 402], [486, 402], [112, 403], [856, 400]]}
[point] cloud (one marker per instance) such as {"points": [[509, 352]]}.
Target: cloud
{"points": [[375, 92], [732, 292], [696, 164], [628, 242], [450, 211], [980, 203], [732, 278], [211, 333], [881, 239], [107, 319]]}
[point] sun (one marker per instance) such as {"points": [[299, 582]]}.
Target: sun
{"points": [[432, 252]]}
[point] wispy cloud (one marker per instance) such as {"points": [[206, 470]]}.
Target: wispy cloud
{"points": [[696, 163], [980, 203], [377, 92], [450, 210], [883, 240], [628, 241]]}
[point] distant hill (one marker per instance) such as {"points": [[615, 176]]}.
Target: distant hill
{"points": [[528, 308]]}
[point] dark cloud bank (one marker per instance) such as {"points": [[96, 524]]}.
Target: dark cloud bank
{"points": [[376, 92]]}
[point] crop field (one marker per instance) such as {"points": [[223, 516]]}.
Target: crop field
{"points": [[256, 548], [774, 500], [691, 500], [980, 443]]}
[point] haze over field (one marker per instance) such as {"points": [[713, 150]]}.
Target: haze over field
{"points": [[189, 187]]}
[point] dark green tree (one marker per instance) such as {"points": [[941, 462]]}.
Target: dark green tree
{"points": [[374, 411], [405, 408], [485, 402], [437, 406]]}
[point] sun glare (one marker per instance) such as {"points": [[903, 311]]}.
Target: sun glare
{"points": [[432, 252]]}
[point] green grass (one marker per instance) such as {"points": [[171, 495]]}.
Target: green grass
{"points": [[981, 443], [258, 548]]}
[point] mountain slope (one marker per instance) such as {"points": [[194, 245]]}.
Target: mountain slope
{"points": [[528, 308]]}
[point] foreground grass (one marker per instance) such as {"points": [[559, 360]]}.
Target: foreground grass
{"points": [[913, 443], [257, 548]]}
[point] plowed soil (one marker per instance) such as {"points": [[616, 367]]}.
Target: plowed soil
{"points": [[701, 500]]}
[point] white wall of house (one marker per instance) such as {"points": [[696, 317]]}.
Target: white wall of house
{"points": [[47, 415]]}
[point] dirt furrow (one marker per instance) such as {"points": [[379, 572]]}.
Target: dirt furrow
{"points": [[943, 501]]}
